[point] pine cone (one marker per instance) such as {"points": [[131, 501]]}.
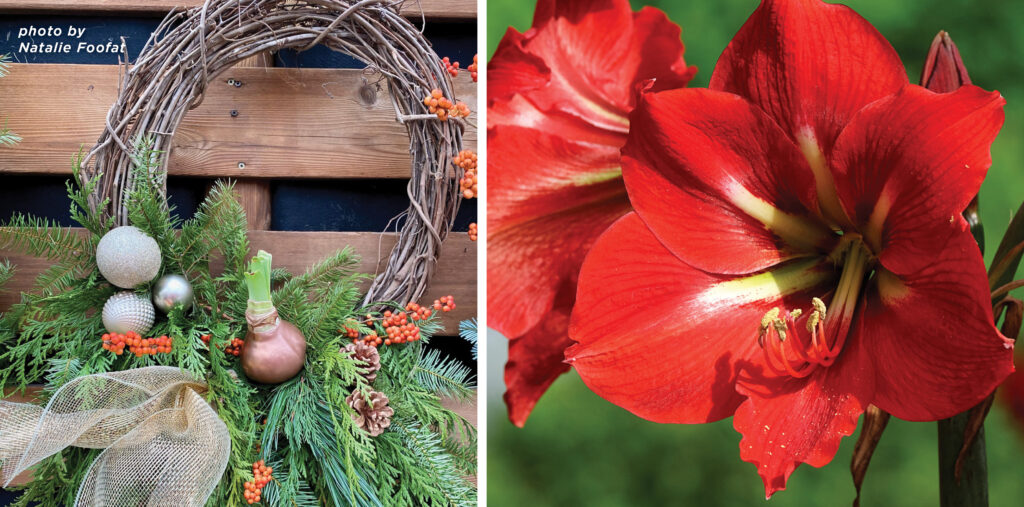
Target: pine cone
{"points": [[367, 354], [373, 418]]}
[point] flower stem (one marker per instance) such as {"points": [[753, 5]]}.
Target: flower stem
{"points": [[971, 490]]}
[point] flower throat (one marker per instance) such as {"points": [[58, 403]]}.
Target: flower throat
{"points": [[788, 350]]}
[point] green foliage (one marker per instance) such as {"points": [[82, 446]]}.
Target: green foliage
{"points": [[304, 428], [468, 332]]}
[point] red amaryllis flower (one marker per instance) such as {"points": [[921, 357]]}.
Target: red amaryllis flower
{"points": [[558, 100], [797, 250]]}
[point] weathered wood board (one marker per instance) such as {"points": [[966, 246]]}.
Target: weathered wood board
{"points": [[280, 113]]}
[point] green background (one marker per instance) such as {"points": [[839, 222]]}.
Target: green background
{"points": [[578, 449]]}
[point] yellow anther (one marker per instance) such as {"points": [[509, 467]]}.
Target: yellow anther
{"points": [[812, 320], [780, 327], [819, 306], [769, 317]]}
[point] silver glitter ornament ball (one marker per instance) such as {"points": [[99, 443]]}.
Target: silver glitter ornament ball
{"points": [[128, 311], [170, 291], [128, 257]]}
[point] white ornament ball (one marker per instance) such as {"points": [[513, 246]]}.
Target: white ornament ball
{"points": [[170, 291], [128, 257], [128, 311]]}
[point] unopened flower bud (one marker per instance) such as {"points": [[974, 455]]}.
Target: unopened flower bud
{"points": [[944, 71]]}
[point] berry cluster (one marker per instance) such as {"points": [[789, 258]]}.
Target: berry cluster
{"points": [[234, 348], [370, 339], [472, 231], [453, 68], [466, 159], [116, 342], [445, 304], [254, 488], [472, 69], [444, 108], [418, 312], [351, 332], [399, 329]]}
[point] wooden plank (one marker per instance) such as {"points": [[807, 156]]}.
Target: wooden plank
{"points": [[438, 9], [254, 194], [296, 251], [288, 123]]}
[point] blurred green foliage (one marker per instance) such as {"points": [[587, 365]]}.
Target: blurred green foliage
{"points": [[578, 449]]}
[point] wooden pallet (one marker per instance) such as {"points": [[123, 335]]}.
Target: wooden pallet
{"points": [[282, 123]]}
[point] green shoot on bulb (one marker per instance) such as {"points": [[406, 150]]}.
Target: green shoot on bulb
{"points": [[258, 280]]}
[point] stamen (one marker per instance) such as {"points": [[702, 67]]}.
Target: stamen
{"points": [[786, 352]]}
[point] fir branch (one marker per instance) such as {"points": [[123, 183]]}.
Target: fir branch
{"points": [[444, 376], [42, 237], [468, 332], [444, 484], [7, 271]]}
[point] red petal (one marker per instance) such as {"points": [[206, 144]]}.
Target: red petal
{"points": [[907, 164], [674, 358], [719, 183], [595, 53], [548, 200], [810, 65], [786, 421], [513, 69], [535, 360], [931, 334], [566, 85]]}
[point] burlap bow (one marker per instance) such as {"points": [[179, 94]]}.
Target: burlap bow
{"points": [[163, 444]]}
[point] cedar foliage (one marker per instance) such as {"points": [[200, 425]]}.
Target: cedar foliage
{"points": [[303, 428]]}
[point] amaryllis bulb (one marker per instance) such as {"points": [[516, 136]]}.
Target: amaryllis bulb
{"points": [[275, 350]]}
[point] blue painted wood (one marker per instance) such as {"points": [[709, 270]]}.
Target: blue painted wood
{"points": [[345, 205], [46, 196], [100, 32], [456, 40]]}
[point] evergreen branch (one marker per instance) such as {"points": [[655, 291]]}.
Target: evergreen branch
{"points": [[426, 449], [444, 376], [7, 271], [79, 190], [468, 332], [41, 237]]}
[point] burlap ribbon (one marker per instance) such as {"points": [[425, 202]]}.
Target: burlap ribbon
{"points": [[162, 443]]}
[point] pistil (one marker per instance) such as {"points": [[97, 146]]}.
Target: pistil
{"points": [[786, 351]]}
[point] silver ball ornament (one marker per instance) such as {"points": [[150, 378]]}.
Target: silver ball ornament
{"points": [[128, 311], [170, 291], [127, 257]]}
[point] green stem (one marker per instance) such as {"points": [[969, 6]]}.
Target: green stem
{"points": [[258, 280], [972, 488]]}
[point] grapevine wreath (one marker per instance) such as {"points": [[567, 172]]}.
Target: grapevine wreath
{"points": [[244, 384]]}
